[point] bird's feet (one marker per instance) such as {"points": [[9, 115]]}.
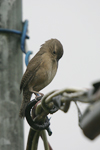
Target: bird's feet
{"points": [[38, 96]]}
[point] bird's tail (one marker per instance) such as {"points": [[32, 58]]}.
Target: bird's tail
{"points": [[26, 99]]}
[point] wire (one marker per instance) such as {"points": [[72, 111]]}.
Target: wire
{"points": [[23, 37]]}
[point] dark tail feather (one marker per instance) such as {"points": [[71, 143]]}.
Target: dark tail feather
{"points": [[26, 99]]}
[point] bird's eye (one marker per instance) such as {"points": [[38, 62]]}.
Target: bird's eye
{"points": [[54, 52]]}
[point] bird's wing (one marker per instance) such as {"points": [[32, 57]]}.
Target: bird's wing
{"points": [[31, 70]]}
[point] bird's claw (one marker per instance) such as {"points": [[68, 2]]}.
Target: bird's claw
{"points": [[38, 98]]}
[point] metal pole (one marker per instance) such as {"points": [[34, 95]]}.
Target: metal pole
{"points": [[11, 126]]}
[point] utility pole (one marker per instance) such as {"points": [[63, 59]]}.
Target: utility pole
{"points": [[11, 126]]}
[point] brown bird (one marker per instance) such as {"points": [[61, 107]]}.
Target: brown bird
{"points": [[40, 71]]}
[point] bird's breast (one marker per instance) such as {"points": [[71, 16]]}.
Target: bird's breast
{"points": [[44, 74], [51, 69]]}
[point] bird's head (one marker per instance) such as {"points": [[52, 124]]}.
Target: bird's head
{"points": [[54, 47]]}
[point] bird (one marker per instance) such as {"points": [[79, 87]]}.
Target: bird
{"points": [[40, 71]]}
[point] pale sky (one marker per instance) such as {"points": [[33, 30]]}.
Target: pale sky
{"points": [[76, 23]]}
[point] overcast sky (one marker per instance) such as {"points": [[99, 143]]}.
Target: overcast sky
{"points": [[76, 23]]}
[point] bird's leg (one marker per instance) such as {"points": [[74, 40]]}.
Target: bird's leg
{"points": [[38, 94]]}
